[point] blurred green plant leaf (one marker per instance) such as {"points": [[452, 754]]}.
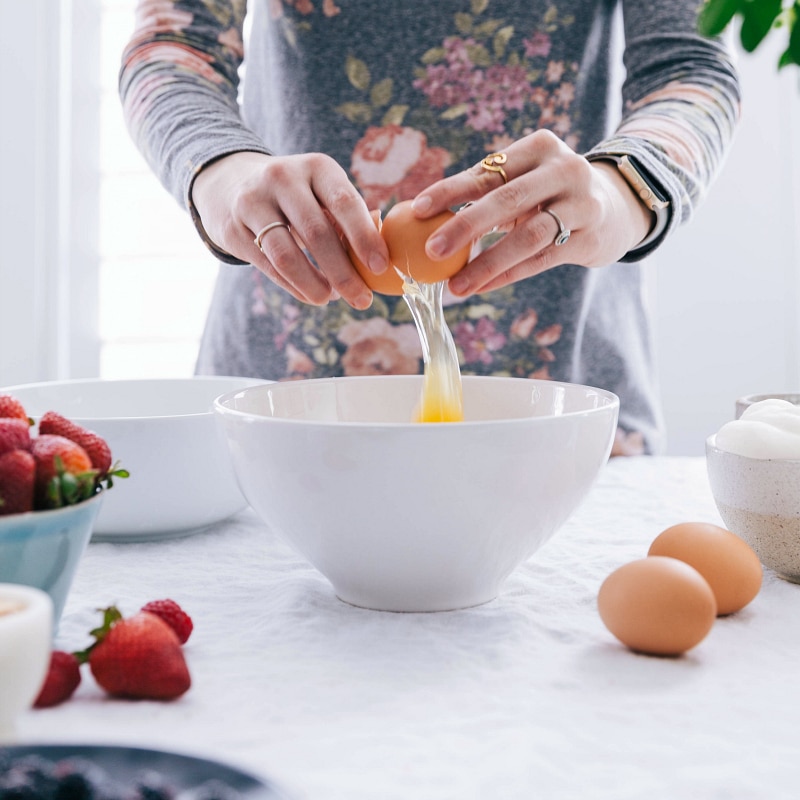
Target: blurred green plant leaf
{"points": [[716, 15], [794, 37], [758, 18]]}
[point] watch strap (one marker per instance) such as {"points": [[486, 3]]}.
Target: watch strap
{"points": [[647, 192]]}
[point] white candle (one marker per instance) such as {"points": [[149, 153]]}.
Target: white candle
{"points": [[26, 633]]}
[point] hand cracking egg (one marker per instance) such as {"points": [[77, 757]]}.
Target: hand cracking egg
{"points": [[405, 236], [420, 281]]}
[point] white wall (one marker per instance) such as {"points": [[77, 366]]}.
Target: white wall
{"points": [[727, 285]]}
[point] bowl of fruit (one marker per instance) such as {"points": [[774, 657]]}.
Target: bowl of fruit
{"points": [[53, 480]]}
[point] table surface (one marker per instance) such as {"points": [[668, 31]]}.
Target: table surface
{"points": [[528, 696]]}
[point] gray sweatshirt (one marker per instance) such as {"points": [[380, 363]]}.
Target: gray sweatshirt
{"points": [[402, 94]]}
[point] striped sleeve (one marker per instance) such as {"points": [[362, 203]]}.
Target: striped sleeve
{"points": [[681, 104], [179, 84]]}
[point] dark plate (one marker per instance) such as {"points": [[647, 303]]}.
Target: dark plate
{"points": [[182, 772]]}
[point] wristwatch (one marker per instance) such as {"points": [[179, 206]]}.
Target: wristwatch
{"points": [[646, 189]]}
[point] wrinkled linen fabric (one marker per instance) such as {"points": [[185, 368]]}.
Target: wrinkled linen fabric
{"points": [[524, 697]]}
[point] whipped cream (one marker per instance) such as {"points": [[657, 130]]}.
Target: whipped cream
{"points": [[767, 429]]}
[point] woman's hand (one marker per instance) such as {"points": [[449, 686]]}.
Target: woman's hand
{"points": [[240, 194], [593, 200]]}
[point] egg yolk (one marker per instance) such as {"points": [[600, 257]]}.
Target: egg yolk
{"points": [[436, 404]]}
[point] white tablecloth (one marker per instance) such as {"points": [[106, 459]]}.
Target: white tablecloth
{"points": [[528, 696]]}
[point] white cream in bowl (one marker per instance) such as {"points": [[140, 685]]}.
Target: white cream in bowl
{"points": [[767, 429]]}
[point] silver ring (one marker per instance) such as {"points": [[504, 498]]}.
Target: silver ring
{"points": [[562, 237], [267, 229]]}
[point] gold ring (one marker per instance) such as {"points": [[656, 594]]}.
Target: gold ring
{"points": [[562, 237], [494, 163], [267, 229]]}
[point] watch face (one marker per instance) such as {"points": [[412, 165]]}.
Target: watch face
{"points": [[651, 184]]}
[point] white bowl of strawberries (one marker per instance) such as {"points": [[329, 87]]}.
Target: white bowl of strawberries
{"points": [[164, 433]]}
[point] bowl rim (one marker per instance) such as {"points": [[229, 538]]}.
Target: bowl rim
{"points": [[612, 403], [88, 420], [49, 512]]}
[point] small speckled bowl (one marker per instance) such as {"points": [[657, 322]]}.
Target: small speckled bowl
{"points": [[759, 501], [745, 402]]}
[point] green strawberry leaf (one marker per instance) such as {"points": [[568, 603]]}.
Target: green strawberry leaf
{"points": [[111, 616]]}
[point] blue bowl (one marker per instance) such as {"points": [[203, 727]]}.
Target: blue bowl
{"points": [[43, 548]]}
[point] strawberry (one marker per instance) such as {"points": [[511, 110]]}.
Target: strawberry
{"points": [[95, 446], [63, 678], [139, 657], [15, 434], [11, 407], [173, 615], [64, 473], [17, 480]]}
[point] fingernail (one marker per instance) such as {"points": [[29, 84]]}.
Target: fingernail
{"points": [[377, 263], [422, 203], [436, 245]]}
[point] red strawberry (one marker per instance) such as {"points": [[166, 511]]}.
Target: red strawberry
{"points": [[64, 473], [11, 407], [14, 435], [139, 657], [17, 479], [173, 615], [63, 678], [95, 446]]}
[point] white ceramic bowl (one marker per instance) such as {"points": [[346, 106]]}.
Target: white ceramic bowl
{"points": [[759, 501], [404, 516], [163, 431], [26, 633]]}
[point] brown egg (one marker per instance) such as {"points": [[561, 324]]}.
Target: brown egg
{"points": [[730, 566], [657, 605], [405, 236], [388, 282]]}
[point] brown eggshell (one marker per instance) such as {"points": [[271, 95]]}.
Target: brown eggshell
{"points": [[729, 564], [405, 236], [657, 605], [388, 282]]}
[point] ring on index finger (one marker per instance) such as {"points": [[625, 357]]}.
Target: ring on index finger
{"points": [[494, 163]]}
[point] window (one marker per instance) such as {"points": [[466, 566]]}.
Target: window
{"points": [[155, 275]]}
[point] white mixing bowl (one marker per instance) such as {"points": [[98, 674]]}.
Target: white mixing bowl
{"points": [[405, 516], [163, 431]]}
